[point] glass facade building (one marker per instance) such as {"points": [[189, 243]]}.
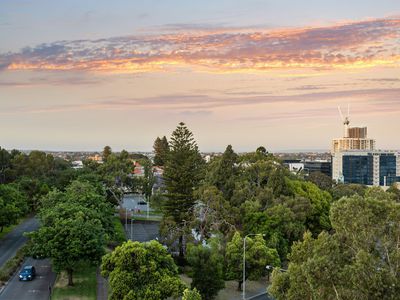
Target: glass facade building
{"points": [[358, 169], [387, 169]]}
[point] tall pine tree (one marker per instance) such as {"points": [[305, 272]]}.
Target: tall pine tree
{"points": [[182, 174], [161, 149]]}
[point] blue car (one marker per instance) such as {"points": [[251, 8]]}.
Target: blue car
{"points": [[27, 273]]}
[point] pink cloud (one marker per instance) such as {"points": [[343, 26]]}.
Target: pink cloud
{"points": [[349, 45]]}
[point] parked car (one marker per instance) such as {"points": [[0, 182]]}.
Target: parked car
{"points": [[27, 273]]}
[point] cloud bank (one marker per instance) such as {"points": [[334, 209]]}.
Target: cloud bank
{"points": [[360, 44]]}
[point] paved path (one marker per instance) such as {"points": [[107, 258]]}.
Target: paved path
{"points": [[102, 287], [14, 240], [37, 289]]}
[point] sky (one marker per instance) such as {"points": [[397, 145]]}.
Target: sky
{"points": [[79, 75]]}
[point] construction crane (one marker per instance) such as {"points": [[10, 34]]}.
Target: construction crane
{"points": [[345, 120]]}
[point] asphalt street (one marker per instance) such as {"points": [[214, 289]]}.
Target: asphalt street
{"points": [[37, 289], [10, 244]]}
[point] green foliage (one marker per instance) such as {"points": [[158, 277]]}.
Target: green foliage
{"points": [[5, 162], [348, 190], [207, 269], [282, 223], [34, 189], [75, 224], [84, 287], [222, 172], [278, 183], [212, 213], [320, 200], [115, 171], [189, 294], [119, 235], [161, 149], [69, 240], [82, 194], [107, 151], [183, 171], [360, 260], [13, 204], [141, 271], [12, 265], [378, 193], [258, 255], [395, 191], [321, 180]]}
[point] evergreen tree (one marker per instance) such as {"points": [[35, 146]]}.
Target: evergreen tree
{"points": [[207, 268], [224, 172], [161, 148], [106, 152], [182, 174]]}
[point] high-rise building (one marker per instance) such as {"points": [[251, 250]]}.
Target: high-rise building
{"points": [[378, 168], [355, 160], [355, 138]]}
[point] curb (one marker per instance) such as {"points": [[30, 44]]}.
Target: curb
{"points": [[11, 278], [258, 295]]}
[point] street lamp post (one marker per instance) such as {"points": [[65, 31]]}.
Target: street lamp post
{"points": [[244, 262], [131, 228], [126, 218]]}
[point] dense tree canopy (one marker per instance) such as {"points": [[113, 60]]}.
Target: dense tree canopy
{"points": [[13, 204], [141, 271], [360, 260], [207, 268], [74, 227], [258, 255], [69, 237]]}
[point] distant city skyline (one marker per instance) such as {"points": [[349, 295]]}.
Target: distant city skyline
{"points": [[81, 75]]}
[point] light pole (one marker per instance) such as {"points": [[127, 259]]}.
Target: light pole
{"points": [[147, 203], [131, 228], [126, 218], [244, 261]]}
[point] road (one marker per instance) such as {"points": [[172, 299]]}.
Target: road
{"points": [[37, 289], [10, 244]]}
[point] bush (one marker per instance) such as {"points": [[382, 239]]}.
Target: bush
{"points": [[119, 234], [13, 264]]}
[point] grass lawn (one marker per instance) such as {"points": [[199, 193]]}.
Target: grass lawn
{"points": [[6, 230], [84, 288]]}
